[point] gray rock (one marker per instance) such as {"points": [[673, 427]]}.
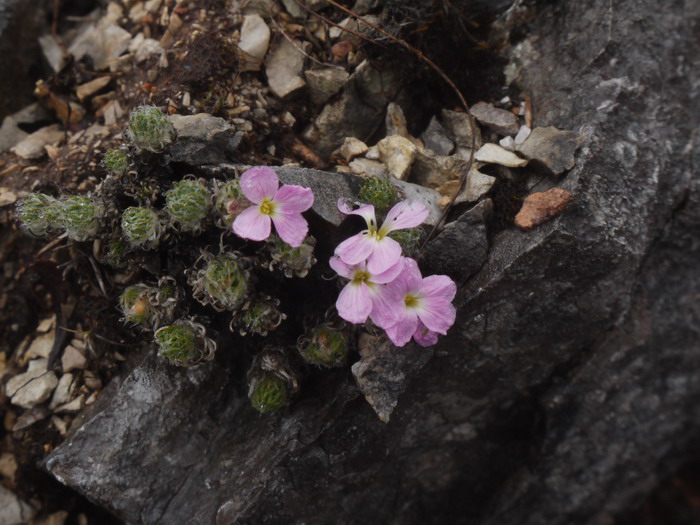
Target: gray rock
{"points": [[352, 148], [357, 112], [461, 249], [523, 133], [33, 146], [499, 120], [33, 386], [203, 139], [324, 83], [64, 391], [103, 42], [436, 139], [478, 184], [494, 154], [13, 510], [395, 121], [433, 171], [367, 168], [254, 42], [550, 149], [72, 359], [284, 68], [397, 154], [459, 129]]}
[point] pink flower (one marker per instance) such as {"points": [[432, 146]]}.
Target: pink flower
{"points": [[281, 206], [373, 245], [363, 296], [420, 307]]}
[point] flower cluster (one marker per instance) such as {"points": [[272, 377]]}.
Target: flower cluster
{"points": [[387, 287]]}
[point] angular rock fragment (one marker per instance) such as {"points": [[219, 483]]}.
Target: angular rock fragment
{"points": [[32, 387], [324, 83], [433, 170], [541, 207], [72, 359], [397, 154], [462, 247], [352, 148], [494, 154], [459, 128], [368, 168], [64, 391], [83, 91], [103, 42], [550, 149], [254, 41], [436, 139], [499, 120], [41, 346], [32, 147], [203, 139], [13, 510], [395, 121], [284, 67], [523, 133]]}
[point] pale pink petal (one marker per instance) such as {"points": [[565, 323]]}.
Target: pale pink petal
{"points": [[293, 199], [386, 253], [354, 303], [408, 280], [355, 249], [386, 309], [366, 212], [438, 286], [259, 183], [425, 337], [401, 332], [436, 313], [388, 275], [253, 225], [342, 269], [405, 214], [292, 228]]}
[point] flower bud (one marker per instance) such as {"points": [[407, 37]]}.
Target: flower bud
{"points": [[326, 346], [38, 213], [184, 343], [79, 216], [141, 227], [229, 202], [379, 192], [150, 129], [272, 381], [292, 261], [116, 162], [259, 316], [222, 282], [188, 203]]}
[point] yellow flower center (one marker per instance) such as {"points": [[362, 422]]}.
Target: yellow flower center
{"points": [[267, 207], [360, 276], [411, 301]]}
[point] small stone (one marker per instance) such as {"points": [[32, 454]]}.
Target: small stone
{"points": [[83, 91], [104, 43], [550, 149], [478, 184], [60, 425], [8, 466], [436, 139], [7, 197], [32, 387], [284, 67], [57, 518], [32, 147], [499, 120], [494, 154], [324, 83], [13, 511], [72, 359], [368, 168], [64, 391], [41, 346], [395, 121], [294, 9], [254, 42], [147, 49], [92, 381], [541, 207], [372, 153], [201, 126], [31, 416], [523, 133], [459, 128], [507, 143], [397, 154], [70, 408], [433, 170], [352, 148], [46, 324]]}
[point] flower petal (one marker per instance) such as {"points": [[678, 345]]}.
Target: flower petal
{"points": [[354, 303], [342, 269], [386, 253], [438, 286], [408, 280], [355, 249], [405, 214], [425, 337], [386, 309], [401, 332], [388, 275], [253, 225], [366, 212], [437, 314], [259, 183], [291, 227], [293, 199]]}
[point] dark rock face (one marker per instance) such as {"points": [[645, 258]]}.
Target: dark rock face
{"points": [[570, 382]]}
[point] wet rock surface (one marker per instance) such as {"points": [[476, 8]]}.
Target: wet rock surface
{"points": [[570, 379]]}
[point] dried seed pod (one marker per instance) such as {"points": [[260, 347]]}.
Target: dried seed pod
{"points": [[150, 129], [116, 162], [38, 213], [135, 305], [229, 202], [79, 216], [379, 192], [325, 346], [141, 227], [184, 343], [188, 203], [222, 282], [258, 316], [292, 261], [150, 306], [272, 381]]}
